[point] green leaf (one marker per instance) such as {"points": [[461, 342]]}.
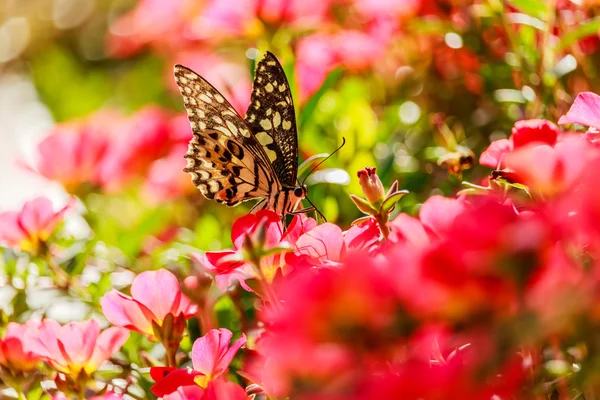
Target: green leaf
{"points": [[588, 28], [392, 199], [363, 205], [535, 8], [311, 105]]}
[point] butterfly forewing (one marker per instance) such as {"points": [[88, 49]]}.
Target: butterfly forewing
{"points": [[272, 119], [226, 161]]}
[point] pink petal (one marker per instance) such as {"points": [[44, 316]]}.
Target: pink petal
{"points": [[362, 236], [208, 350], [409, 229], [11, 230], [43, 341], [108, 343], [121, 310], [222, 390], [299, 226], [194, 392], [211, 353], [584, 111], [494, 155], [438, 213], [230, 354], [79, 339], [535, 166], [324, 243], [157, 290]]}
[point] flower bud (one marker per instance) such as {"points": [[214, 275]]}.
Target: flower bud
{"points": [[371, 185]]}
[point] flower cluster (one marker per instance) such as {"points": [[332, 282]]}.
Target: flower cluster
{"points": [[420, 286]]}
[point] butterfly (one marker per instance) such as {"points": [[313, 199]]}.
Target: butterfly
{"points": [[233, 159]]}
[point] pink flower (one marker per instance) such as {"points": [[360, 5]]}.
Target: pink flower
{"points": [[13, 354], [524, 132], [151, 22], [218, 389], [383, 9], [30, 227], [74, 348], [549, 170], [211, 356], [71, 154], [584, 111], [166, 180], [136, 142], [155, 296], [227, 272]]}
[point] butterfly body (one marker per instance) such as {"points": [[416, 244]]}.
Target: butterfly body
{"points": [[231, 159]]}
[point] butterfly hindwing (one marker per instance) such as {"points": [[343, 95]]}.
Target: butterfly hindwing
{"points": [[272, 119], [226, 161]]}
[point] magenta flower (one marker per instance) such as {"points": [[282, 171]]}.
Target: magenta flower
{"points": [[155, 297], [74, 348], [211, 356], [13, 354], [28, 228]]}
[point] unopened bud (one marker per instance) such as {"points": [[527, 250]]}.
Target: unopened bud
{"points": [[371, 185]]}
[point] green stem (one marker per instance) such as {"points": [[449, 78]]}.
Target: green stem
{"points": [[382, 221], [170, 355]]}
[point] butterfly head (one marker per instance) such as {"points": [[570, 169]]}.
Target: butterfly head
{"points": [[301, 191]]}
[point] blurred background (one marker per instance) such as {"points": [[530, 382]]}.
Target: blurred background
{"points": [[418, 88]]}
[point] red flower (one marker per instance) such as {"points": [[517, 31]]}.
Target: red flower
{"points": [[525, 132], [211, 356], [30, 227], [13, 354], [329, 319], [156, 296], [489, 248], [227, 272], [550, 170]]}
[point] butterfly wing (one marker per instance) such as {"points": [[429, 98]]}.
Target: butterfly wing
{"points": [[272, 119], [225, 160]]}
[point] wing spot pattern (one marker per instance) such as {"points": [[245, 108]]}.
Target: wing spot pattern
{"points": [[266, 124], [232, 127], [269, 87], [276, 119], [286, 125]]}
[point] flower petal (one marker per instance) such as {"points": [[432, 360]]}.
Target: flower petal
{"points": [[108, 343], [157, 290], [124, 311], [585, 111]]}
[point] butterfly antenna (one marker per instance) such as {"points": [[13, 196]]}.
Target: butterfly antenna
{"points": [[321, 162], [319, 213]]}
